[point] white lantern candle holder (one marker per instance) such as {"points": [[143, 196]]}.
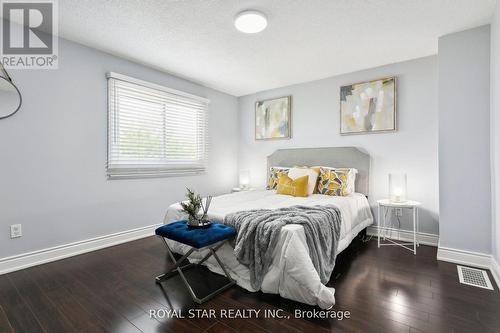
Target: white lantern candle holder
{"points": [[397, 187]]}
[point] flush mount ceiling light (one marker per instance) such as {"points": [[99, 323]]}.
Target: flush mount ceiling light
{"points": [[250, 21]]}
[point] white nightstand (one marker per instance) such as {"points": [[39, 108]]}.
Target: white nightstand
{"points": [[241, 189], [387, 206]]}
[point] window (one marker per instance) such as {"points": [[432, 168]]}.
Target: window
{"points": [[154, 131]]}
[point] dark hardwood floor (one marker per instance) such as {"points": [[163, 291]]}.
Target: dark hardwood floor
{"points": [[113, 290]]}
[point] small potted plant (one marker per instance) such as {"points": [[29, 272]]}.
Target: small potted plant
{"points": [[192, 207]]}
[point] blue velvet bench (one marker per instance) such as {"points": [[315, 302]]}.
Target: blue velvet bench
{"points": [[211, 238]]}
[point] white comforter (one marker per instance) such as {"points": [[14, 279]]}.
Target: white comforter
{"points": [[292, 274]]}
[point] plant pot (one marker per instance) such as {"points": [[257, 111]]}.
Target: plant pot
{"points": [[193, 221]]}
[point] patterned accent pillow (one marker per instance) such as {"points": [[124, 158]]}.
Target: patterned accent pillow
{"points": [[333, 181], [274, 173]]}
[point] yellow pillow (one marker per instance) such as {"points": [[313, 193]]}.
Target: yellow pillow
{"points": [[296, 187], [274, 173], [297, 172]]}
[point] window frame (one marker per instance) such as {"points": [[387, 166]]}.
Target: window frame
{"points": [[150, 170]]}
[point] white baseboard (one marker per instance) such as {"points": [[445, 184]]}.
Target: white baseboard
{"points": [[495, 271], [470, 258], [25, 260], [405, 235]]}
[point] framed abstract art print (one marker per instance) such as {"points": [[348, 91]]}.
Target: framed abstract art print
{"points": [[368, 107], [273, 118]]}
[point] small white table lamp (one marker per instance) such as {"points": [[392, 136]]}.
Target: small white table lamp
{"points": [[244, 179], [397, 187]]}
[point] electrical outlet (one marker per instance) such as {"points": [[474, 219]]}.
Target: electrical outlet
{"points": [[15, 231], [398, 211]]}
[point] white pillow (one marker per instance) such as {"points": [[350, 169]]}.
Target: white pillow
{"points": [[351, 180], [295, 173]]}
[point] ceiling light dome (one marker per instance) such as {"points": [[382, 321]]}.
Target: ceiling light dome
{"points": [[250, 21]]}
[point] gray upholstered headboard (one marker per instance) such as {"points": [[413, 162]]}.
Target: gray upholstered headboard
{"points": [[338, 157]]}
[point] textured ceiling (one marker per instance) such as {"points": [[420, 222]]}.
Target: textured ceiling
{"points": [[305, 40]]}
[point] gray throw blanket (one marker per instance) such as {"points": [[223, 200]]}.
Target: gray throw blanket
{"points": [[258, 233]]}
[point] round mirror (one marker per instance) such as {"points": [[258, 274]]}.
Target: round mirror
{"points": [[10, 98]]}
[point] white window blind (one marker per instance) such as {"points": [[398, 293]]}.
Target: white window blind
{"points": [[154, 131]]}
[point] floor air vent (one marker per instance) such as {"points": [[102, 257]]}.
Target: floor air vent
{"points": [[474, 277]]}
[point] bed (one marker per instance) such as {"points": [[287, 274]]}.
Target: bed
{"points": [[292, 274]]}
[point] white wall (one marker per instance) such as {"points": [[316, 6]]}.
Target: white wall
{"points": [[315, 123], [464, 140], [495, 130], [53, 155]]}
